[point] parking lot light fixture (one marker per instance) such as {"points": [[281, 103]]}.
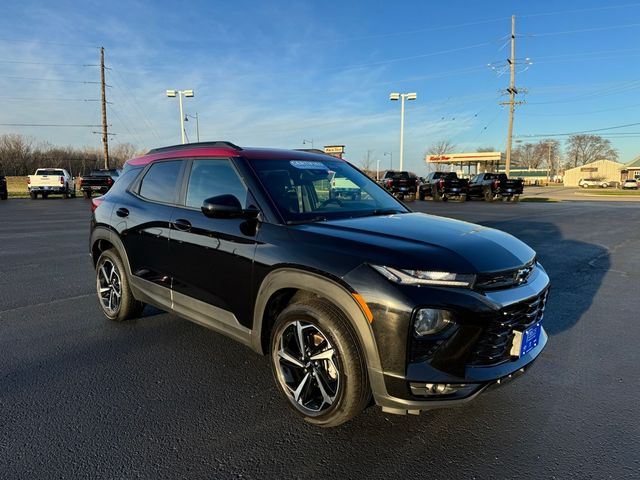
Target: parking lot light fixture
{"points": [[395, 96], [179, 94]]}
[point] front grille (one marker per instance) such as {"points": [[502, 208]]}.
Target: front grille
{"points": [[494, 344], [505, 279]]}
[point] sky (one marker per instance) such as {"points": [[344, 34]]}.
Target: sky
{"points": [[280, 73]]}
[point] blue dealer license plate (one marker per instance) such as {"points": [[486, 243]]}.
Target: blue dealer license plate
{"points": [[524, 342], [530, 338]]}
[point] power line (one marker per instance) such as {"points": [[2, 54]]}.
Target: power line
{"points": [[47, 125], [582, 30], [580, 10], [49, 63], [49, 79], [582, 131], [47, 99]]}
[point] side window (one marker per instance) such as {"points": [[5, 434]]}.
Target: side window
{"points": [[123, 181], [210, 178], [161, 182]]}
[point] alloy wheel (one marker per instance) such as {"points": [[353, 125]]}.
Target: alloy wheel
{"points": [[308, 367], [109, 287]]}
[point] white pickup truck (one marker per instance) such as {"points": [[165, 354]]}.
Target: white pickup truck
{"points": [[51, 180]]}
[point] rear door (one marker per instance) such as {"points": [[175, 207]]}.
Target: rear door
{"points": [[212, 258], [142, 219]]}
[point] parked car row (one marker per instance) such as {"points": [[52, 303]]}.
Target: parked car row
{"points": [[443, 186], [58, 181]]}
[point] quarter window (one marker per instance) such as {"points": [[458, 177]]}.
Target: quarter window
{"points": [[161, 182], [210, 178]]}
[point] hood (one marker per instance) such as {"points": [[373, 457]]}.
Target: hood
{"points": [[419, 241]]}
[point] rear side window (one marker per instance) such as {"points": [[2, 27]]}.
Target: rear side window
{"points": [[124, 181], [161, 182], [210, 178]]}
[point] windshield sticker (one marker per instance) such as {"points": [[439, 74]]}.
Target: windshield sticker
{"points": [[305, 165]]}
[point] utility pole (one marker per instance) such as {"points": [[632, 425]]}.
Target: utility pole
{"points": [[512, 93], [105, 134]]}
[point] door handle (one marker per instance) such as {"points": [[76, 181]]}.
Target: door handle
{"points": [[182, 225], [122, 212]]}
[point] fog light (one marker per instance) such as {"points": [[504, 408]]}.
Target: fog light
{"points": [[437, 389], [429, 321]]}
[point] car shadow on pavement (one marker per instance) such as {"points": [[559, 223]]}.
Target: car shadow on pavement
{"points": [[576, 269]]}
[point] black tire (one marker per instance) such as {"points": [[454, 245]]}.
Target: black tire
{"points": [[318, 320], [127, 306], [86, 193], [421, 195], [4, 196], [66, 193], [33, 195]]}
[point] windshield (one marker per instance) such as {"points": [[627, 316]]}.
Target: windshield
{"points": [[304, 190]]}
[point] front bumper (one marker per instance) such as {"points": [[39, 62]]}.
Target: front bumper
{"points": [[400, 385]]}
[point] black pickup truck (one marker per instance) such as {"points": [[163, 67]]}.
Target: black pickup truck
{"points": [[99, 181], [443, 186], [400, 183], [495, 186]]}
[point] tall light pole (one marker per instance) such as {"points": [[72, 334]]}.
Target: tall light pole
{"points": [[391, 162], [402, 97], [308, 141], [549, 145], [179, 94], [186, 119]]}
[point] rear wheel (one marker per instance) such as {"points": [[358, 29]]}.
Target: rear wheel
{"points": [[45, 195], [421, 195], [112, 286], [317, 363], [33, 195]]}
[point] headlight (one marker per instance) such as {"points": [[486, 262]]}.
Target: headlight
{"points": [[429, 321], [424, 277]]}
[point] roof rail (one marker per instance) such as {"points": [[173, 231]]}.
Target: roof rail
{"points": [[215, 144]]}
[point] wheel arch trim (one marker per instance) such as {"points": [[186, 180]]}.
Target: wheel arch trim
{"points": [[288, 278]]}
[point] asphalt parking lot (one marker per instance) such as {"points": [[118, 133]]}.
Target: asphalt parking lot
{"points": [[160, 397]]}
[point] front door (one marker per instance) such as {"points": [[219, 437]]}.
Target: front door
{"points": [[212, 258]]}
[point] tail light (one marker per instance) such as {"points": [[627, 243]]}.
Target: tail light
{"points": [[389, 182], [495, 184], [95, 203], [109, 181], [441, 183], [61, 180]]}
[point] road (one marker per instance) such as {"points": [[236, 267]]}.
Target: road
{"points": [[160, 397]]}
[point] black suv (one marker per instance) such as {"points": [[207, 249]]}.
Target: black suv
{"points": [[354, 299]]}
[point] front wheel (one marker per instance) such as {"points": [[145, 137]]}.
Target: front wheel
{"points": [[317, 363], [112, 286]]}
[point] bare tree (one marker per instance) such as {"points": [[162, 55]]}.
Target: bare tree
{"points": [[485, 149], [367, 161], [583, 149], [123, 152], [441, 147]]}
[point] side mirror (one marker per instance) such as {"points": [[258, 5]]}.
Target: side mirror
{"points": [[226, 206]]}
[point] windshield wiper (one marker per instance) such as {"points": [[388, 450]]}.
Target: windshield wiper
{"points": [[307, 220]]}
